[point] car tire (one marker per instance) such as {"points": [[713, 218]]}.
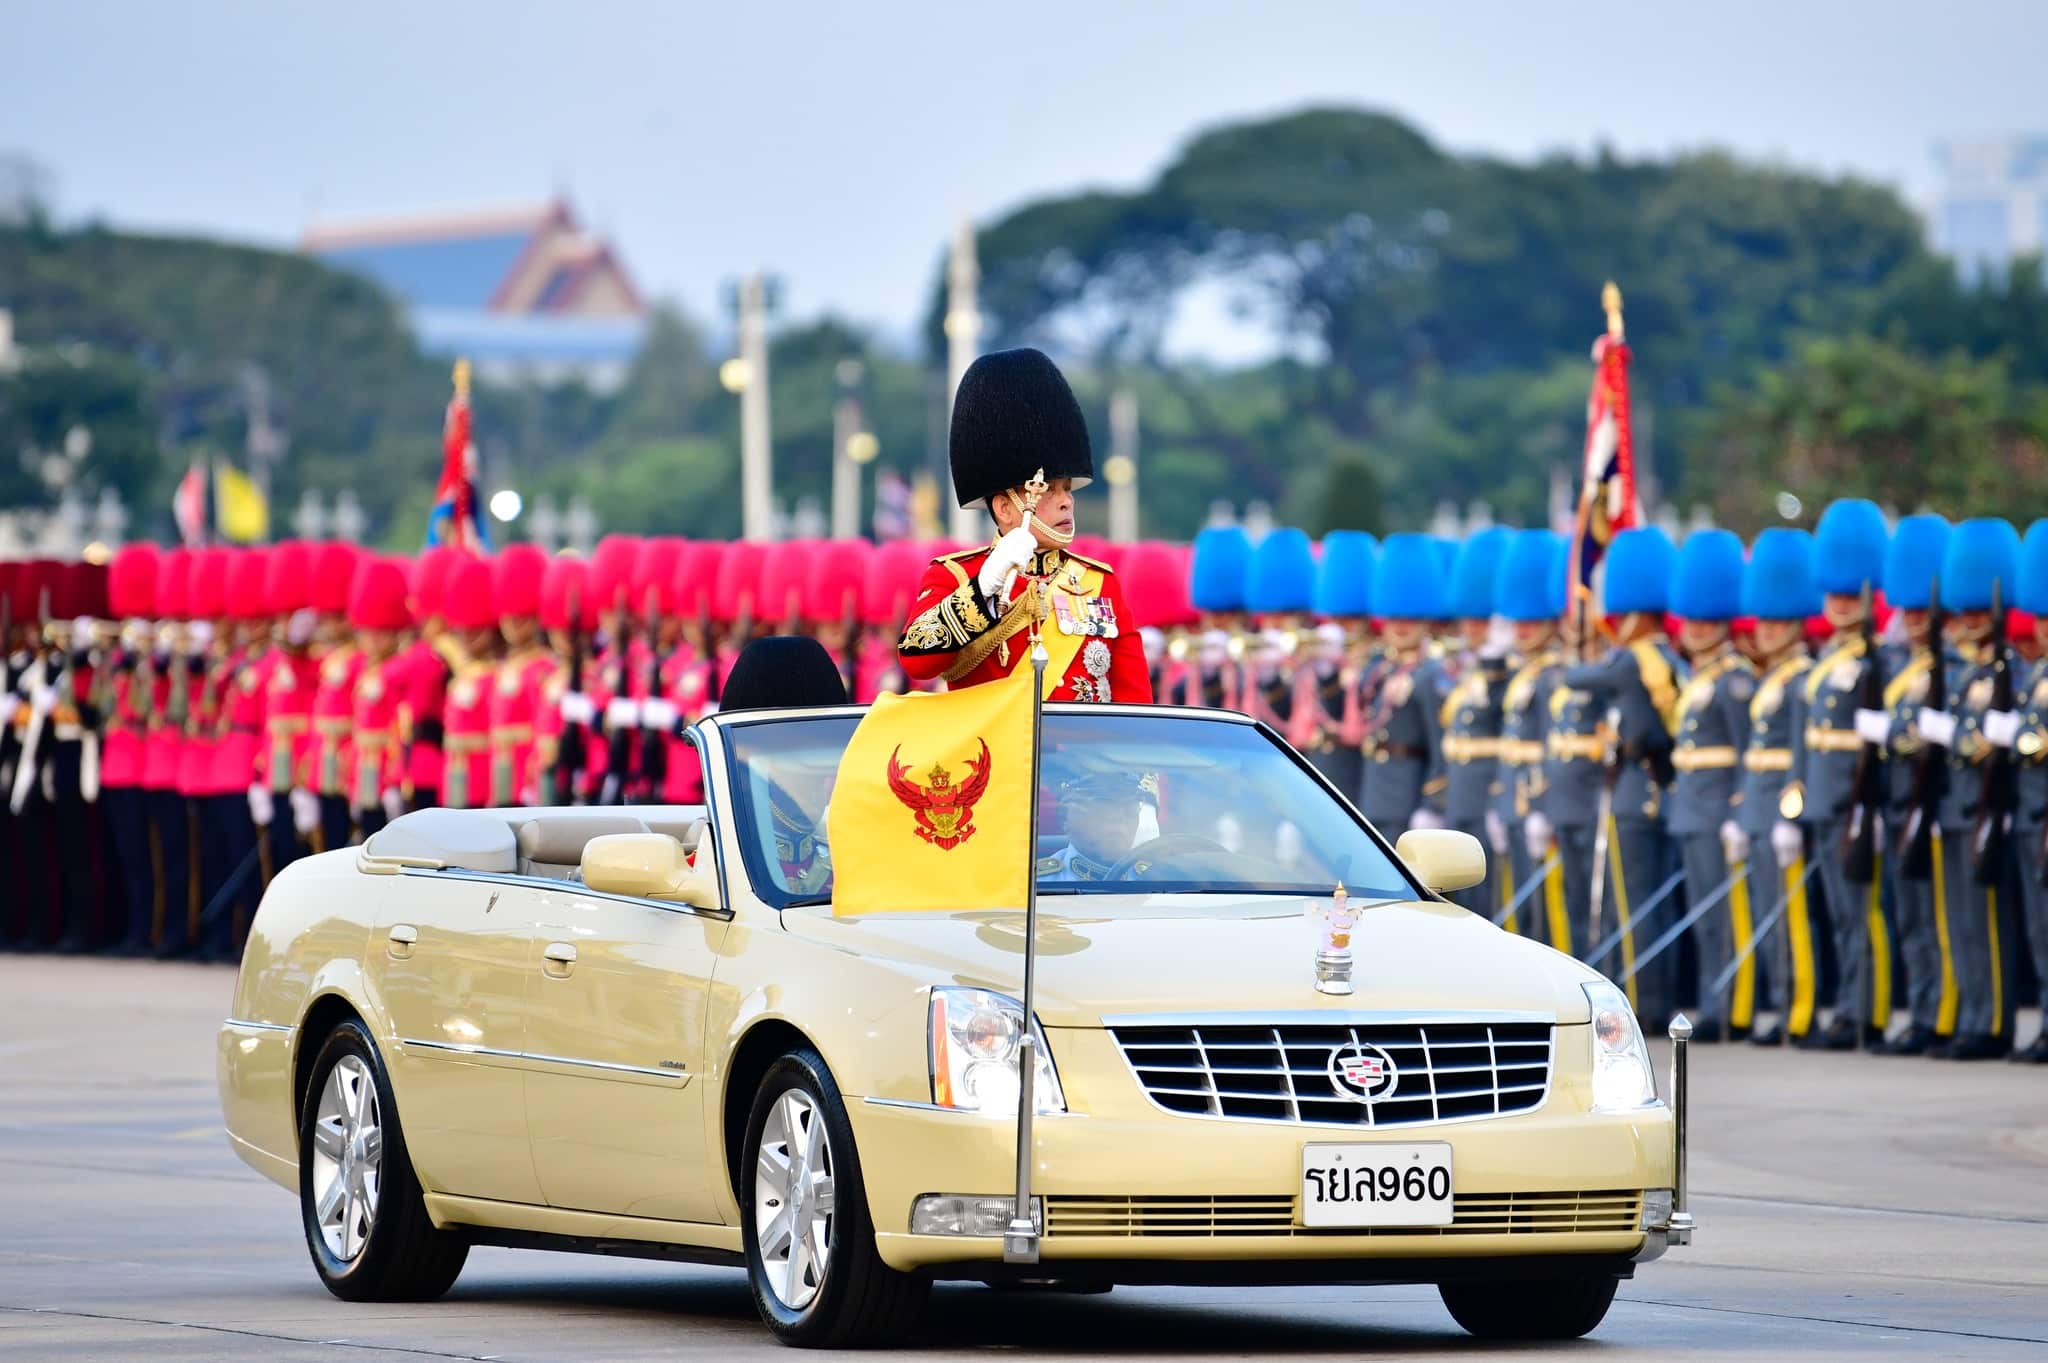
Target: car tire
{"points": [[855, 1299], [1531, 1308], [366, 1222]]}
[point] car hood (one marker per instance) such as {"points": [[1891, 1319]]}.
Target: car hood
{"points": [[1126, 954]]}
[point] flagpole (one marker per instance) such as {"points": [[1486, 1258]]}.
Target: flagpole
{"points": [[1020, 1241]]}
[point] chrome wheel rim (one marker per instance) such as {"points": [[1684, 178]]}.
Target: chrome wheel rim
{"points": [[793, 1200], [348, 1158]]}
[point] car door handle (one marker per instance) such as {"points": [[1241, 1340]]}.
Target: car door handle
{"points": [[404, 937], [557, 958]]}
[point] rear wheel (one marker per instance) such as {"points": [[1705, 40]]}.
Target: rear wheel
{"points": [[366, 1222], [811, 1260], [1530, 1308]]}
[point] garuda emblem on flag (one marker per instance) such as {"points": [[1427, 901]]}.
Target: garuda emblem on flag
{"points": [[945, 811]]}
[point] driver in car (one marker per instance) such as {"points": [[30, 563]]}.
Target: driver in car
{"points": [[1104, 814]]}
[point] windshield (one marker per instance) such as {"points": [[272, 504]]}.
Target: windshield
{"points": [[1128, 804]]}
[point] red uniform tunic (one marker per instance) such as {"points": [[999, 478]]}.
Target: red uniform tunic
{"points": [[466, 732], [954, 634], [422, 717], [164, 742], [687, 687], [523, 685], [288, 686], [243, 703], [376, 761], [324, 768], [616, 683], [122, 751], [203, 720]]}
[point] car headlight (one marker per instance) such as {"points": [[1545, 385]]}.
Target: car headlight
{"points": [[1622, 1081], [976, 1037]]}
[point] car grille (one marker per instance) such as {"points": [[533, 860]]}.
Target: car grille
{"points": [[1472, 1214], [1445, 1072]]}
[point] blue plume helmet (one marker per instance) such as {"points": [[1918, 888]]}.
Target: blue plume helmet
{"points": [[1848, 547], [2033, 589], [1283, 576], [1472, 576], [1344, 577], [1913, 560], [1777, 583], [1221, 562], [1708, 582], [1638, 571], [1980, 553], [1528, 583], [1410, 582]]}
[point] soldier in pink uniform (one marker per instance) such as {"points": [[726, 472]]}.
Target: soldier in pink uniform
{"points": [[288, 685], [469, 649], [833, 588], [320, 800], [890, 585], [616, 682], [522, 677], [131, 593], [376, 769], [425, 672], [238, 748], [565, 738], [170, 819]]}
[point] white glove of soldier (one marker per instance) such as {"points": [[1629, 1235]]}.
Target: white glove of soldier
{"points": [[262, 809], [198, 636], [576, 708], [1012, 553], [394, 802], [1788, 842], [622, 713], [1425, 818], [1538, 835], [42, 700], [1496, 832], [1734, 843], [1937, 727], [82, 636], [1873, 726], [305, 811], [2001, 728], [657, 714]]}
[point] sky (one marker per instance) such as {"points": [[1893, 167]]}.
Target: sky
{"points": [[836, 144]]}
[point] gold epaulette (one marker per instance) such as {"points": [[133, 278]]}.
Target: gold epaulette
{"points": [[958, 554], [1097, 564]]}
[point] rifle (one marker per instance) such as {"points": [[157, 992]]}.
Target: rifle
{"points": [[30, 756], [1859, 835], [570, 757], [1998, 796], [1930, 764], [654, 742]]}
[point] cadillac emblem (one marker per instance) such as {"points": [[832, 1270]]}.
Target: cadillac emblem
{"points": [[1362, 1073]]}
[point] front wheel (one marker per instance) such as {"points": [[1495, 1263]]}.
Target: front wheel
{"points": [[817, 1279], [1532, 1308], [366, 1222]]}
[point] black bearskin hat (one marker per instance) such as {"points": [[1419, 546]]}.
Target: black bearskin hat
{"points": [[1013, 416], [780, 672]]}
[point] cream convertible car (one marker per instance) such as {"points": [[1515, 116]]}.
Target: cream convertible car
{"points": [[642, 1031]]}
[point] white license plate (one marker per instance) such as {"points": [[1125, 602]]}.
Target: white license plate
{"points": [[1375, 1183]]}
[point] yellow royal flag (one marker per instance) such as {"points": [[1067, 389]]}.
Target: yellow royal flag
{"points": [[239, 509], [932, 805]]}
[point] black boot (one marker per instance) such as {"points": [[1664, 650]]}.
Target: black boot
{"points": [[1915, 1040], [1976, 1046], [1773, 1035], [1841, 1035]]}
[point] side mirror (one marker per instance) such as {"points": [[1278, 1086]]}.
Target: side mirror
{"points": [[1442, 859], [646, 866]]}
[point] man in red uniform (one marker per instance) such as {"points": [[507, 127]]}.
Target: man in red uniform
{"points": [[468, 648], [288, 685], [1015, 425], [211, 657], [424, 678], [320, 801], [376, 769], [244, 697], [522, 678]]}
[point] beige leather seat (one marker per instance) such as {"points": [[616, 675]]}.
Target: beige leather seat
{"points": [[552, 844]]}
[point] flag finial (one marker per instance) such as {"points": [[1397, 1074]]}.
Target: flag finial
{"points": [[462, 377], [1610, 303]]}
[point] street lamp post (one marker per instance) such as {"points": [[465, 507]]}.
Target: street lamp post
{"points": [[846, 428], [1120, 470], [749, 377]]}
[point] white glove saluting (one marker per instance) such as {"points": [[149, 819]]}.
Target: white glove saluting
{"points": [[1012, 554]]}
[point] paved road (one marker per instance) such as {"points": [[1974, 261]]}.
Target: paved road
{"points": [[1851, 1207]]}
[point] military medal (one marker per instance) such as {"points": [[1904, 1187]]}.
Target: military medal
{"points": [[1095, 660]]}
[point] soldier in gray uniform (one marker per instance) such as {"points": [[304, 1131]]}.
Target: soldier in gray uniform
{"points": [[1637, 683], [2032, 747], [1974, 907], [1529, 593], [1849, 550], [1471, 714], [1576, 740], [1912, 563], [1404, 770], [1778, 589], [1713, 728], [1326, 717]]}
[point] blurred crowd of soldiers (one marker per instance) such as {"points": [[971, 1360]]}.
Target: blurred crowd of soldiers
{"points": [[1799, 788]]}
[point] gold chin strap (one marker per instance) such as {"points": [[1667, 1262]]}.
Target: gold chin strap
{"points": [[1036, 487]]}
